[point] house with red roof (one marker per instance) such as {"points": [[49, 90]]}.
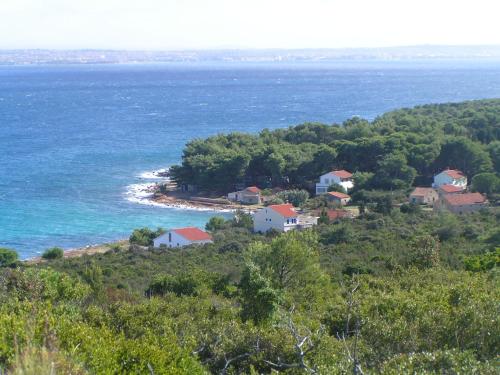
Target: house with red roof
{"points": [[183, 237], [450, 177], [249, 195], [338, 197], [340, 177], [281, 217], [335, 213], [462, 203], [424, 195]]}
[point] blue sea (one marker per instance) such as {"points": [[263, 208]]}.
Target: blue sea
{"points": [[78, 143]]}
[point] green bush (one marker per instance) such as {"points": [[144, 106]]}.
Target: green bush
{"points": [[483, 262], [145, 236], [215, 223], [53, 253], [181, 285], [8, 257], [295, 197]]}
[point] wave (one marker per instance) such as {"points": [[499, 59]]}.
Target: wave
{"points": [[159, 174], [142, 193]]}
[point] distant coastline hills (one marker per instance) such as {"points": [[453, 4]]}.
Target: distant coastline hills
{"points": [[88, 56]]}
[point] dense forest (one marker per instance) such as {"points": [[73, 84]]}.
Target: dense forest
{"points": [[396, 290], [395, 151]]}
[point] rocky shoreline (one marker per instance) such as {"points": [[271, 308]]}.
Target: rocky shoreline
{"points": [[181, 200]]}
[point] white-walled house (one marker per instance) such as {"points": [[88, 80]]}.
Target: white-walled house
{"points": [[281, 217], [450, 177], [340, 177], [183, 237], [250, 195]]}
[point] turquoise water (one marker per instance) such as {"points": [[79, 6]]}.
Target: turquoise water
{"points": [[75, 139]]}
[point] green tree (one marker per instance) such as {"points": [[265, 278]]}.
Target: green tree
{"points": [[259, 300], [242, 219], [337, 187], [494, 150], [291, 263], [215, 223], [487, 183], [184, 284], [425, 252], [323, 217], [295, 197], [145, 236], [53, 253], [394, 173], [8, 257], [464, 154]]}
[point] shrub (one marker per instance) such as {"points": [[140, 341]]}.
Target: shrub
{"points": [[53, 253], [145, 236], [8, 257], [184, 284], [337, 187], [484, 262], [215, 223], [295, 197]]}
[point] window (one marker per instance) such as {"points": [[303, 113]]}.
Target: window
{"points": [[170, 237], [288, 221]]}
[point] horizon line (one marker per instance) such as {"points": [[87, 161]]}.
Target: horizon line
{"points": [[252, 48]]}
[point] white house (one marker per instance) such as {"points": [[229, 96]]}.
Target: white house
{"points": [[281, 217], [183, 237], [341, 177], [250, 195], [450, 177]]}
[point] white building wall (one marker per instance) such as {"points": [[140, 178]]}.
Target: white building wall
{"points": [[328, 179], [266, 219], [177, 240], [444, 179]]}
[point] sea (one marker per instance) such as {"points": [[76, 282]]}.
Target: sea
{"points": [[80, 144]]}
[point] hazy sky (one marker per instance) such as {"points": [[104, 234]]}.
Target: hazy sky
{"points": [[184, 24]]}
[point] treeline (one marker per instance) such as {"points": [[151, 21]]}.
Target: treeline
{"points": [[394, 151]]}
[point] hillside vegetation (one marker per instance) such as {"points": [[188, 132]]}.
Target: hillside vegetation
{"points": [[397, 290]]}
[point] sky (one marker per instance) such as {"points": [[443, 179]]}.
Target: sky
{"points": [[211, 24]]}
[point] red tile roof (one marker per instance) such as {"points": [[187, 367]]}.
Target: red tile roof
{"points": [[193, 234], [335, 214], [342, 173], [338, 194], [285, 210], [464, 199], [422, 191], [253, 189], [454, 173], [447, 188]]}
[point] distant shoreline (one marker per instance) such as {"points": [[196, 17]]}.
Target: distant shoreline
{"points": [[107, 56]]}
